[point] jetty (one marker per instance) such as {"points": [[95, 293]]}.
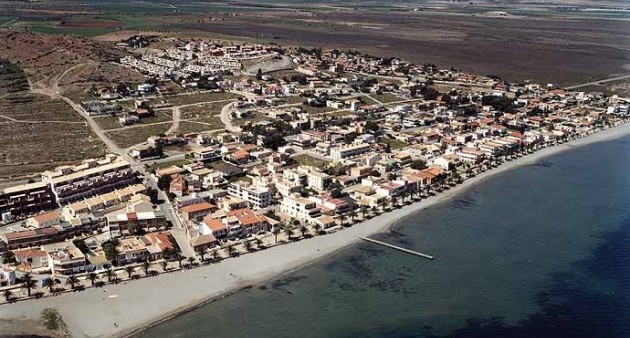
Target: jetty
{"points": [[416, 253]]}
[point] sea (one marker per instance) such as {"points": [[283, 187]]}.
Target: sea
{"points": [[542, 250]]}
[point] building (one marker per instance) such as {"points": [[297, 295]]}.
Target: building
{"points": [[348, 151], [121, 224], [64, 258], [92, 177], [257, 196], [24, 200], [31, 238], [300, 208], [7, 276], [197, 211], [44, 220], [235, 223], [31, 259], [149, 247]]}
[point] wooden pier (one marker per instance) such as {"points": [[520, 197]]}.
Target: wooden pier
{"points": [[398, 248]]}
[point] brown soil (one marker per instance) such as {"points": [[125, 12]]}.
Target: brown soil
{"points": [[95, 23]]}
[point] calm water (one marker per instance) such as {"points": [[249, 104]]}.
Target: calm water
{"points": [[540, 251]]}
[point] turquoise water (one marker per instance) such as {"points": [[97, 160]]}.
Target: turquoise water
{"points": [[539, 251]]}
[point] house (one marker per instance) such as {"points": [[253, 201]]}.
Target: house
{"points": [[258, 196], [149, 247], [44, 220], [300, 208], [64, 258], [31, 259], [197, 211], [145, 151]]}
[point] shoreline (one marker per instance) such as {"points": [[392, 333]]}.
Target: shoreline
{"points": [[125, 310]]}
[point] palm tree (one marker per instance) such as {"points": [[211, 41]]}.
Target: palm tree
{"points": [[247, 245], [109, 273], [303, 230], [49, 283], [317, 228], [164, 264], [343, 218], [288, 232], [28, 283], [129, 270], [180, 258], [202, 253], [92, 276], [259, 243], [214, 254], [72, 281], [8, 295], [353, 215], [145, 267], [9, 258], [230, 250], [364, 210], [276, 232], [191, 261]]}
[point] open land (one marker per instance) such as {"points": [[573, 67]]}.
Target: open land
{"points": [[134, 306]]}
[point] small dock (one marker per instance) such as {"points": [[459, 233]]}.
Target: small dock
{"points": [[398, 248]]}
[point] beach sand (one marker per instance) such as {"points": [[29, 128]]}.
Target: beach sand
{"points": [[120, 310]]}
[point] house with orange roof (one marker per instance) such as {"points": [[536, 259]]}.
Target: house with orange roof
{"points": [[197, 211], [44, 220]]}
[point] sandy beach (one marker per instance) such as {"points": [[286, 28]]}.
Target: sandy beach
{"points": [[120, 310]]}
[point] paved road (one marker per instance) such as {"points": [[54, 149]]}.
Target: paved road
{"points": [[599, 82]]}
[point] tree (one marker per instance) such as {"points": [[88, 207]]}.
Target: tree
{"points": [[110, 274], [9, 258], [418, 165], [28, 283], [288, 232], [317, 228], [201, 251], [129, 270], [145, 267], [49, 283], [72, 281], [214, 254], [191, 262], [164, 182], [53, 321], [8, 295], [259, 242], [179, 258], [276, 232], [93, 277], [231, 251], [247, 245], [110, 250], [164, 265], [303, 230]]}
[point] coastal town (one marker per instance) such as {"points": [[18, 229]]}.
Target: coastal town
{"points": [[296, 143]]}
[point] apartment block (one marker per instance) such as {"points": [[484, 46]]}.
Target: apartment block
{"points": [[92, 177]]}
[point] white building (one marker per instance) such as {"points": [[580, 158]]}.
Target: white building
{"points": [[258, 196], [300, 208]]}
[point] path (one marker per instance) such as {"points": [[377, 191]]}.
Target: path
{"points": [[599, 82], [37, 122]]}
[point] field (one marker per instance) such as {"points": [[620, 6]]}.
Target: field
{"points": [[137, 134], [309, 160], [184, 99], [111, 122], [394, 144], [37, 132], [193, 127]]}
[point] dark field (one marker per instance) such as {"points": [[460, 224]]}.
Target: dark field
{"points": [[557, 50], [536, 41]]}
